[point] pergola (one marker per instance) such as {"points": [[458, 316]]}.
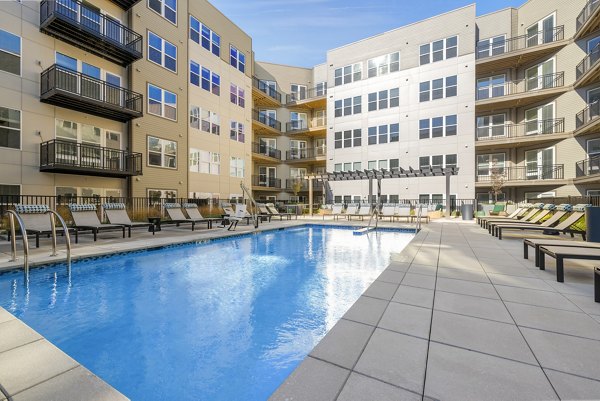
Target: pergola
{"points": [[379, 175]]}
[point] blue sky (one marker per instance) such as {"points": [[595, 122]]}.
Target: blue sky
{"points": [[299, 32]]}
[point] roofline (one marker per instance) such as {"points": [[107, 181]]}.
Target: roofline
{"points": [[498, 11], [285, 65]]}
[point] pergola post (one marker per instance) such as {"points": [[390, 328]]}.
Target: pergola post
{"points": [[310, 196], [447, 195], [378, 190], [370, 189]]}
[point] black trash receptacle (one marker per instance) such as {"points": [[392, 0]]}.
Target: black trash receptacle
{"points": [[466, 211], [592, 223]]}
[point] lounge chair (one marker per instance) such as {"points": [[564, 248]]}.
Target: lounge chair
{"points": [[388, 210], [351, 210], [337, 210], [560, 253], [271, 207], [499, 207], [529, 212], [266, 213], [85, 218], [117, 215], [365, 210], [37, 221], [561, 210], [424, 213], [240, 214], [403, 212], [520, 211], [536, 243], [176, 215], [532, 217], [191, 209], [229, 211], [564, 226]]}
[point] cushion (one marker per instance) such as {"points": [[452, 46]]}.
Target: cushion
{"points": [[113, 206], [172, 206], [25, 209], [74, 207], [189, 206]]}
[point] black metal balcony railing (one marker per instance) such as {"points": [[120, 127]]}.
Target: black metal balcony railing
{"points": [[585, 14], [264, 181], [300, 154], [296, 126], [587, 115], [263, 87], [311, 93], [60, 156], [266, 150], [73, 90], [302, 183], [540, 82], [588, 167], [80, 25], [529, 128], [524, 173], [588, 62], [265, 119], [484, 50]]}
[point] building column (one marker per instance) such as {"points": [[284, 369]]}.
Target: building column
{"points": [[310, 196]]}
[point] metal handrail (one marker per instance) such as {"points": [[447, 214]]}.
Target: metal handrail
{"points": [[527, 129], [544, 81], [13, 242], [487, 49], [253, 202], [586, 13], [419, 216], [53, 214]]}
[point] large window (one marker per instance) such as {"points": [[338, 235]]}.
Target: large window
{"points": [[347, 139], [166, 8], [204, 162], [237, 95], [162, 52], [437, 161], [236, 167], [10, 128], [10, 193], [10, 52], [162, 153], [438, 127], [205, 120], [384, 134], [237, 59], [236, 132], [491, 126], [348, 74], [162, 103], [490, 164], [204, 78], [491, 87], [155, 195], [383, 65], [348, 106], [384, 99], [438, 88], [491, 46], [298, 92], [205, 36], [439, 50]]}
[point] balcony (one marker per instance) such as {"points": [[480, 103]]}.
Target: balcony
{"points": [[520, 50], [265, 95], [552, 174], [290, 182], [125, 4], [266, 153], [312, 98], [263, 182], [588, 170], [588, 70], [514, 135], [73, 90], [296, 155], [587, 121], [314, 127], [84, 27], [501, 94], [59, 156], [263, 124], [588, 19]]}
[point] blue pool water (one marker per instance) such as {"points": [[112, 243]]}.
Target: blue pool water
{"points": [[225, 320]]}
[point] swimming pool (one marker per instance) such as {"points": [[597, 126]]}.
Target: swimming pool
{"points": [[225, 320]]}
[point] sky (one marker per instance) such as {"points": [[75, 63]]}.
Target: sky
{"points": [[299, 32]]}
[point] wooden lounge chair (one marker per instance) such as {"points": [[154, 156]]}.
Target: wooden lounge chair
{"points": [[191, 209], [389, 210], [564, 226], [529, 212], [532, 217], [514, 215], [536, 243], [271, 207], [365, 210], [337, 210], [176, 215], [37, 221], [117, 215], [560, 253], [561, 211], [85, 218]]}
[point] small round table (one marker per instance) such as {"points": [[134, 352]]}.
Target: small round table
{"points": [[156, 222]]}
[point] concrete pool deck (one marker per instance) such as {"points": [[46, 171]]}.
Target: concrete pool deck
{"points": [[457, 314]]}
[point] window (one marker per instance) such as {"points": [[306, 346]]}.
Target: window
{"points": [[451, 160], [489, 127], [357, 166], [348, 74], [451, 125], [162, 52], [490, 164], [166, 8], [337, 167], [237, 95], [10, 193], [162, 103], [394, 164], [204, 162], [432, 90], [195, 117], [348, 106], [298, 92], [204, 120], [207, 80], [372, 164], [156, 195], [206, 37], [593, 147], [237, 59], [437, 161], [162, 153], [382, 99], [237, 132], [10, 128], [438, 127], [491, 87], [383, 65], [321, 89], [439, 50], [10, 52], [347, 166], [194, 73], [383, 134], [491, 46], [236, 167]]}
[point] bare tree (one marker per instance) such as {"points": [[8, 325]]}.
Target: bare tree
{"points": [[297, 186], [497, 178]]}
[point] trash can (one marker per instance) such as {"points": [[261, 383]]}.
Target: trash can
{"points": [[592, 223], [466, 211]]}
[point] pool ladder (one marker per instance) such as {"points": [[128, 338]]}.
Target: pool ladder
{"points": [[12, 215], [418, 221], [254, 213]]}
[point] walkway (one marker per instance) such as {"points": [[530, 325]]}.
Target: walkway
{"points": [[460, 315]]}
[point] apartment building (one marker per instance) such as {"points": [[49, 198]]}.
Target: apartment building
{"points": [[289, 126]]}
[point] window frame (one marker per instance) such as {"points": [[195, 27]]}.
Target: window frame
{"points": [[163, 5], [20, 129], [11, 53], [162, 153], [429, 53], [162, 51], [162, 102]]}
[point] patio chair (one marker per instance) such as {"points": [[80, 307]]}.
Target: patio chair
{"points": [[499, 207], [176, 215], [240, 214], [229, 211], [536, 243], [513, 216], [117, 215], [337, 210], [424, 213], [403, 212], [524, 215], [85, 218], [561, 210], [37, 221], [532, 217], [191, 209], [351, 210], [389, 210], [365, 210], [564, 226], [560, 253], [264, 211], [271, 207]]}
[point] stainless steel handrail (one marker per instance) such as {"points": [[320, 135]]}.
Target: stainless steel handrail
{"points": [[419, 215], [13, 241], [53, 214], [255, 206]]}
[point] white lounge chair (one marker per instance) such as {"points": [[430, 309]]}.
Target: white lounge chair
{"points": [[240, 214], [365, 210], [337, 210], [351, 210], [85, 218], [389, 210], [403, 212]]}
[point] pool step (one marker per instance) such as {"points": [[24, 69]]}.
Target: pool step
{"points": [[363, 230]]}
